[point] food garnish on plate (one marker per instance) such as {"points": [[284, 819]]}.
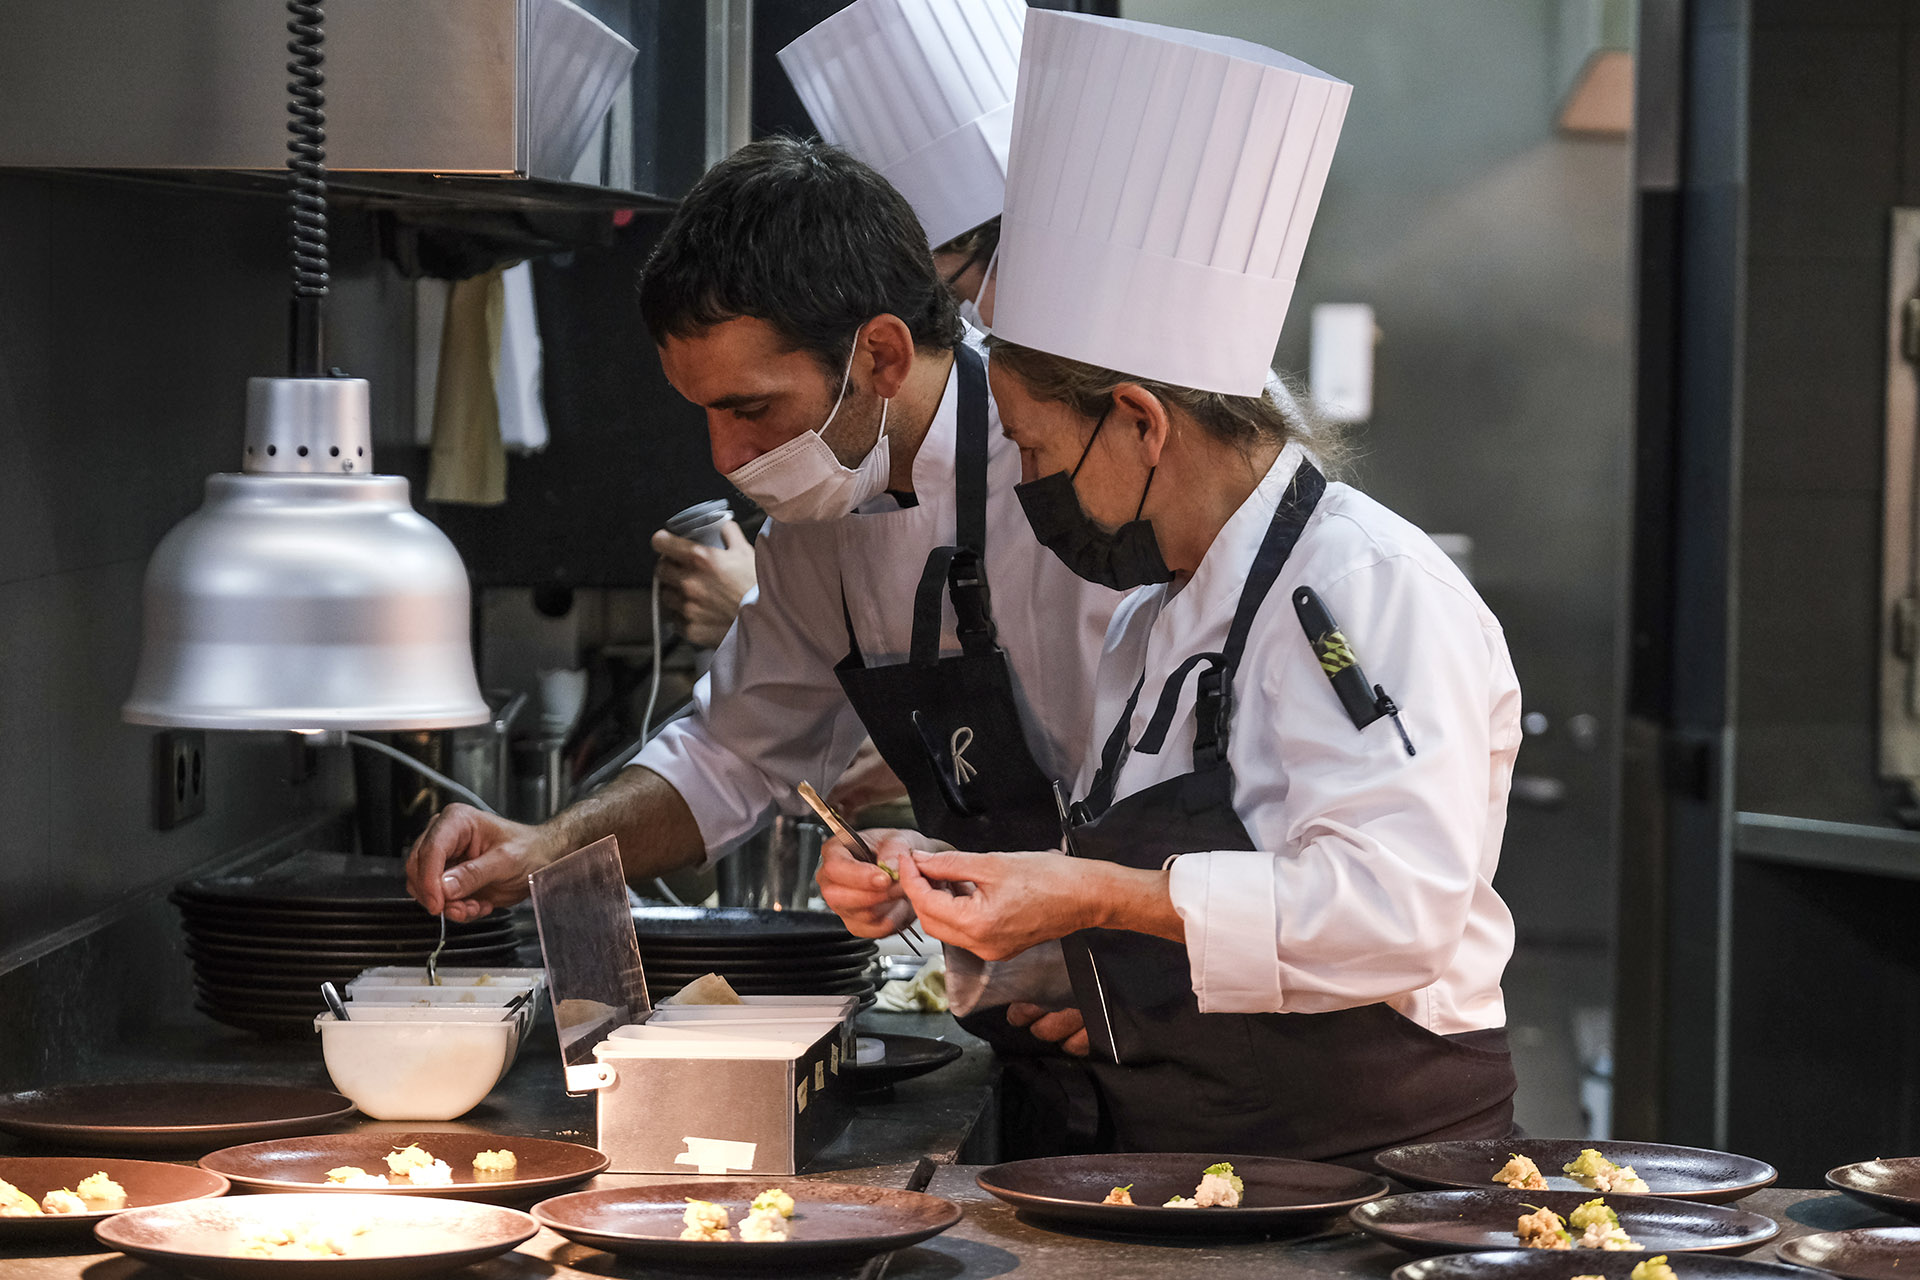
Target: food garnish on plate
{"points": [[1522, 1174], [1597, 1173], [97, 1193], [1120, 1195]]}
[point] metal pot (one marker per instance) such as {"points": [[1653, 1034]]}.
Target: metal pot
{"points": [[773, 868]]}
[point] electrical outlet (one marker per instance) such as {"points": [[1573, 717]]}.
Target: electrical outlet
{"points": [[179, 776]]}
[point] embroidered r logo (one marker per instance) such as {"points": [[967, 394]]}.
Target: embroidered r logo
{"points": [[957, 745]]}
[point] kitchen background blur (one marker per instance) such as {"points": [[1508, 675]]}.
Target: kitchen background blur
{"points": [[1646, 377]]}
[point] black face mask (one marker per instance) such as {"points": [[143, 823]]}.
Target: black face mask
{"points": [[1126, 558]]}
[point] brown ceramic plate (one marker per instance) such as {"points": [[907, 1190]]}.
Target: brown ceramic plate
{"points": [[1678, 1173], [1466, 1221], [834, 1224], [300, 1164], [1566, 1264], [1893, 1185], [402, 1237], [1280, 1194], [168, 1116], [1871, 1253], [146, 1182]]}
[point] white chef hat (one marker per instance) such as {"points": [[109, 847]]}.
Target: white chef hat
{"points": [[1159, 195], [922, 90]]}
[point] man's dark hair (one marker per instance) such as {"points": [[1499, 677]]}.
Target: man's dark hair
{"points": [[805, 237]]}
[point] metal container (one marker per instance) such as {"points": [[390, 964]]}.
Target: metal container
{"points": [[773, 869]]}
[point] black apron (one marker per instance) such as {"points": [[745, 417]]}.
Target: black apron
{"points": [[1163, 1076], [949, 726]]}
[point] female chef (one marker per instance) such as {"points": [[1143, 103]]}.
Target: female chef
{"points": [[1278, 911]]}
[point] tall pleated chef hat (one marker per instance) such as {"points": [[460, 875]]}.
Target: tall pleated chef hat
{"points": [[922, 90], [1159, 194]]}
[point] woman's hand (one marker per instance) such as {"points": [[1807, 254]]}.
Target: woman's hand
{"points": [[996, 905], [867, 899], [1064, 1027]]}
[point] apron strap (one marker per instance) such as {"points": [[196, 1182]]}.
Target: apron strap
{"points": [[1213, 701], [961, 567]]}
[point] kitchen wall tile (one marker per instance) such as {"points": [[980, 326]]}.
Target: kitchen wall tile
{"points": [[1824, 158], [27, 645], [1815, 399]]}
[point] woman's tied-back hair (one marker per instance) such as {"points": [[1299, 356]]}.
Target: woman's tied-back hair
{"points": [[805, 237], [1282, 414]]}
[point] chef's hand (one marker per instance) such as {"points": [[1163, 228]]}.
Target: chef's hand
{"points": [[702, 586], [866, 898], [1064, 1027], [467, 862], [996, 905], [867, 781]]}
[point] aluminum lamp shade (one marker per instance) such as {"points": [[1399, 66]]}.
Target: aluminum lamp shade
{"points": [[302, 594]]}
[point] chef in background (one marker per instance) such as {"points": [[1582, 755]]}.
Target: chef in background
{"points": [[1277, 905], [922, 90]]}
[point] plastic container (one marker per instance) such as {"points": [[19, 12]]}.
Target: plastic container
{"points": [[416, 1064]]}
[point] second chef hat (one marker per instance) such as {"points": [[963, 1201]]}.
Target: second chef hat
{"points": [[922, 90], [1159, 194]]}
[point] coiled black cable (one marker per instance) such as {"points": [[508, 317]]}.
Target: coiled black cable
{"points": [[307, 178]]}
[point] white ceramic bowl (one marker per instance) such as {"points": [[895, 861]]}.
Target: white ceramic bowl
{"points": [[408, 1064]]}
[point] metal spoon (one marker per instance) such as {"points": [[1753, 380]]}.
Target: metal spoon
{"points": [[331, 995], [433, 958]]}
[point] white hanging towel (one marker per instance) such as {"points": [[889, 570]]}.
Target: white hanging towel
{"points": [[922, 90], [1159, 194]]}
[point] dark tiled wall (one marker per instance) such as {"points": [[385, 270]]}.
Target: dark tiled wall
{"points": [[130, 318], [1833, 147]]}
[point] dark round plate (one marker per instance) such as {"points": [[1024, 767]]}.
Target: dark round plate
{"points": [[792, 976], [309, 881], [1565, 1264], [769, 967], [264, 1002], [404, 1237], [906, 1057], [833, 1223], [735, 924], [854, 987], [168, 1116], [767, 950], [278, 1026], [146, 1182], [266, 984], [1870, 1253], [1279, 1195], [301, 1164], [366, 956], [359, 936], [1893, 1185], [1678, 1173], [1467, 1221]]}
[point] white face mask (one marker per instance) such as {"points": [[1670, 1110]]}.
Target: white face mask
{"points": [[801, 482], [969, 308]]}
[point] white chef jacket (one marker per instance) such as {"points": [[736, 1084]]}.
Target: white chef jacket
{"points": [[1372, 874], [771, 714]]}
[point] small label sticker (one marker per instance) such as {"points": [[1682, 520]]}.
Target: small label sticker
{"points": [[835, 1057], [799, 1098], [717, 1155], [820, 1074]]}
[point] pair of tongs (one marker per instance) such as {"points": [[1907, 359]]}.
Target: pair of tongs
{"points": [[861, 849]]}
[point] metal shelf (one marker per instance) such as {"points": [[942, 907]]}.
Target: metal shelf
{"points": [[1828, 846]]}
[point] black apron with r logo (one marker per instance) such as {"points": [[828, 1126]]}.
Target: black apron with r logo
{"points": [[1163, 1076], [949, 727]]}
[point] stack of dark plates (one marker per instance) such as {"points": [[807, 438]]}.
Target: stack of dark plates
{"points": [[263, 943], [760, 953]]}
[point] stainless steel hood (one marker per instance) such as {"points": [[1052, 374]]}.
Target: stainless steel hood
{"points": [[481, 93]]}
